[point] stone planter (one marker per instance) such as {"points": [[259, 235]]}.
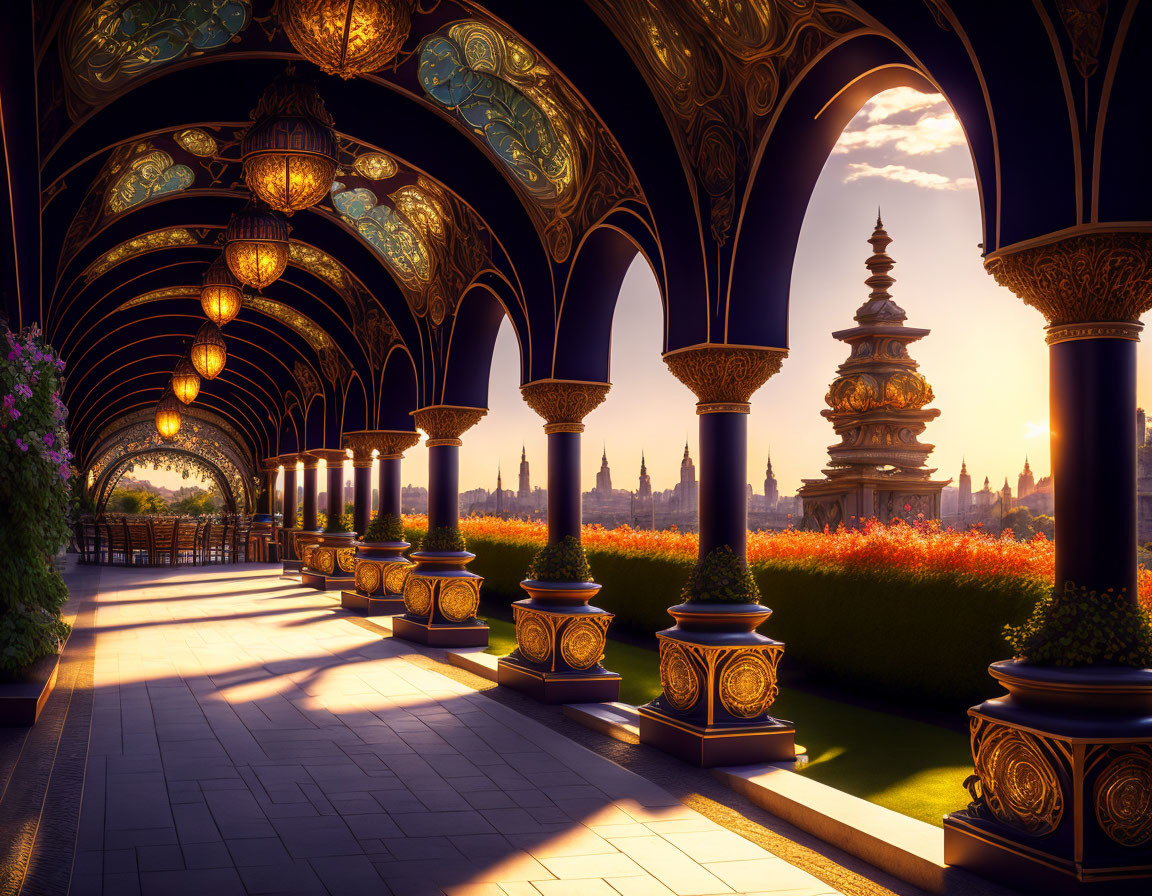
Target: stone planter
{"points": [[304, 542], [441, 599], [1062, 790], [24, 693], [330, 564], [559, 645], [719, 680], [379, 571]]}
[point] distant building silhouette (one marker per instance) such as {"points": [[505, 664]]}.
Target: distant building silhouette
{"points": [[525, 490], [604, 477], [771, 491], [1026, 482]]}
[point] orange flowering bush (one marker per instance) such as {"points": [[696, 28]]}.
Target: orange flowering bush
{"points": [[925, 550]]}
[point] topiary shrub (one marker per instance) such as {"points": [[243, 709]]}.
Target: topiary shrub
{"points": [[1083, 628], [444, 539], [35, 493], [720, 578], [385, 527], [562, 561]]}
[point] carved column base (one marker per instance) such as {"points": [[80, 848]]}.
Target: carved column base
{"points": [[331, 562], [1062, 795], [380, 572], [719, 679], [441, 599], [560, 643], [299, 543]]}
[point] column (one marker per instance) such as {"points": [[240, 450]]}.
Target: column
{"points": [[334, 458], [1079, 724], [289, 462], [440, 595], [718, 674], [361, 486], [332, 561], [560, 638], [393, 444], [311, 462]]}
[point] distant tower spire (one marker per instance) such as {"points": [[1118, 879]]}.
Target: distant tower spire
{"points": [[964, 466], [499, 493], [879, 307]]}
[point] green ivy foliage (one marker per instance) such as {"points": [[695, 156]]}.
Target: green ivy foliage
{"points": [[1083, 628], [721, 578], [342, 523], [385, 527], [562, 561], [444, 539], [36, 494]]}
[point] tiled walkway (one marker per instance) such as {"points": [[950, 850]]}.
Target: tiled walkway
{"points": [[247, 738]]}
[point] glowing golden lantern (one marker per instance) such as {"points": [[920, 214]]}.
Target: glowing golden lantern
{"points": [[208, 352], [256, 246], [185, 382], [347, 37], [289, 152], [168, 419], [220, 295]]}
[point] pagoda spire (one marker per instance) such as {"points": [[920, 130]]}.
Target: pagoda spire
{"points": [[880, 308]]}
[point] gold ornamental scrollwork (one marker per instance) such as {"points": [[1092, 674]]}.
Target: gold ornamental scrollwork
{"points": [[459, 598], [533, 635], [724, 375], [445, 423], [394, 442], [582, 642], [361, 442], [346, 559], [418, 595], [748, 682], [564, 403], [678, 676], [324, 560], [395, 576], [367, 576], [1129, 330], [1018, 783], [1092, 277], [1123, 798], [305, 554]]}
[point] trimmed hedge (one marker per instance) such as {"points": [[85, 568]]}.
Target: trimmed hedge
{"points": [[928, 638]]}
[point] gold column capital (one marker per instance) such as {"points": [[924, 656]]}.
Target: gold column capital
{"points": [[564, 403], [270, 464], [310, 461], [386, 442], [330, 455], [724, 377], [444, 424], [1088, 285], [289, 461]]}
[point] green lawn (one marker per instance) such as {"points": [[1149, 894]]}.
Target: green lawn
{"points": [[907, 766]]}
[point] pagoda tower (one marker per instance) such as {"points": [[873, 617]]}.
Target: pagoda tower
{"points": [[876, 405]]}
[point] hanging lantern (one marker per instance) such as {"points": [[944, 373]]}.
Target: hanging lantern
{"points": [[185, 382], [256, 246], [168, 417], [208, 352], [289, 152], [220, 296], [347, 37]]}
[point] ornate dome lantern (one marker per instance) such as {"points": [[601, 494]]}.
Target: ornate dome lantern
{"points": [[185, 382], [347, 37], [168, 418], [208, 352], [220, 296], [256, 246], [289, 152]]}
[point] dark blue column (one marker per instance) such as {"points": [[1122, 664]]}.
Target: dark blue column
{"points": [[310, 478], [290, 493], [563, 485], [335, 490], [362, 497], [390, 488], [1092, 386], [723, 482], [443, 486]]}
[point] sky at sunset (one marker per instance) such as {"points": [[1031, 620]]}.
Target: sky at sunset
{"points": [[985, 357]]}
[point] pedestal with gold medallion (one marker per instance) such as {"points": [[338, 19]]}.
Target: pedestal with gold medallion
{"points": [[330, 564], [380, 570], [560, 643], [719, 680], [304, 542], [441, 599]]}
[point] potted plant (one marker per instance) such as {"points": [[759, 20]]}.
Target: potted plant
{"points": [[380, 568], [441, 597], [35, 492], [560, 638], [718, 673]]}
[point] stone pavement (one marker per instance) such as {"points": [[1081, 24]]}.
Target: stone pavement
{"points": [[249, 738]]}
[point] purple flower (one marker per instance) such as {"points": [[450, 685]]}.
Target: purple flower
{"points": [[60, 364], [63, 471], [49, 439], [14, 414], [9, 401], [23, 389], [21, 444]]}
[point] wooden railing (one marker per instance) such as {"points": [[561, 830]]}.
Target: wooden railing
{"points": [[162, 540]]}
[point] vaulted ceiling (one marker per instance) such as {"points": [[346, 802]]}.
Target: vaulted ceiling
{"points": [[510, 161]]}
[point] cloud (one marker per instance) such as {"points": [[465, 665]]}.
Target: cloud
{"points": [[905, 175], [929, 134], [900, 99]]}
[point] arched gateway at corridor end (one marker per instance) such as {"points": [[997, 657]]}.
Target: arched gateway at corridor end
{"points": [[253, 242]]}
